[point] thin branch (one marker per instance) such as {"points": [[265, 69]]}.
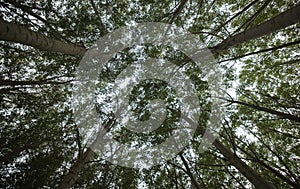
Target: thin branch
{"points": [[248, 21], [188, 171], [78, 142], [21, 83], [177, 11], [236, 15], [102, 27], [262, 51], [267, 110]]}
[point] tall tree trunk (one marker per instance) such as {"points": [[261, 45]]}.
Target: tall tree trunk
{"points": [[253, 155], [12, 83], [260, 108], [21, 34], [283, 20], [188, 171], [258, 181], [71, 177]]}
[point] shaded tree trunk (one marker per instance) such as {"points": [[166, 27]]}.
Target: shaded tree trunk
{"points": [[260, 108], [283, 20], [12, 83], [257, 180], [253, 155], [263, 50], [21, 34], [71, 177], [236, 15], [188, 171]]}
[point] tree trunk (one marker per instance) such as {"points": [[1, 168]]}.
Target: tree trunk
{"points": [[188, 171], [21, 34], [12, 83], [71, 177], [258, 181], [283, 20], [274, 112]]}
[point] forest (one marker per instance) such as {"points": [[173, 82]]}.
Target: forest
{"points": [[212, 90]]}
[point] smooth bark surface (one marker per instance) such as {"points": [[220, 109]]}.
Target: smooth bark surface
{"points": [[71, 177], [21, 34], [258, 181], [260, 108], [283, 20]]}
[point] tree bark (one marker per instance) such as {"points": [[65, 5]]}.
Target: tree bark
{"points": [[255, 158], [188, 171], [71, 177], [236, 15], [283, 20], [263, 50], [258, 181], [249, 20], [260, 108], [21, 34], [22, 83]]}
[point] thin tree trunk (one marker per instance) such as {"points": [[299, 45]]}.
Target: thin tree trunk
{"points": [[102, 26], [236, 15], [21, 34], [22, 83], [271, 169], [71, 177], [258, 181], [188, 171], [178, 10], [263, 50], [259, 108], [283, 20], [249, 20]]}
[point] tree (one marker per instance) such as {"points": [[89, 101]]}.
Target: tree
{"points": [[20, 34], [41, 141], [282, 20]]}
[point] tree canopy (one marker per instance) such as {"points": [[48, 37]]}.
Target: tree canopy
{"points": [[255, 44]]}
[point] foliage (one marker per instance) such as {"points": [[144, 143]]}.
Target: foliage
{"points": [[39, 140]]}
